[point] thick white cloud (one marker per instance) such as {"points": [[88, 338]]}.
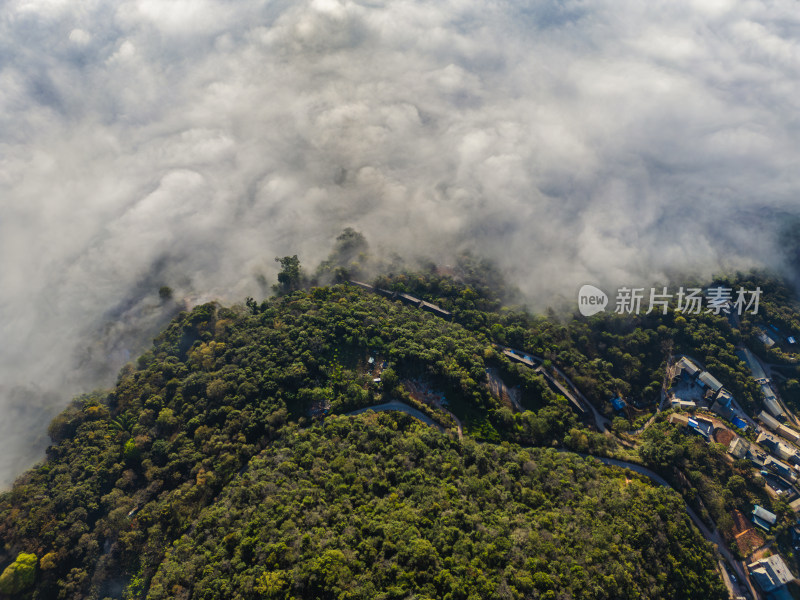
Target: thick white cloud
{"points": [[147, 142]]}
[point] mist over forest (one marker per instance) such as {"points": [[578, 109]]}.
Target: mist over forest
{"points": [[146, 143]]}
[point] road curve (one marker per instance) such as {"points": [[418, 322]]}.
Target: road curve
{"points": [[400, 407]]}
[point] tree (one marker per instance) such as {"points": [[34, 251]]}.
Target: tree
{"points": [[348, 257], [621, 424], [389, 379], [349, 244], [165, 293], [290, 276], [19, 575]]}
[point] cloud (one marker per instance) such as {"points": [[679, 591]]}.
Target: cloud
{"points": [[145, 143]]}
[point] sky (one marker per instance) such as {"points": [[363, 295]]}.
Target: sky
{"points": [[187, 143]]}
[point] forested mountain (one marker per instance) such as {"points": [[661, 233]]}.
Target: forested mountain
{"points": [[217, 467], [381, 507]]}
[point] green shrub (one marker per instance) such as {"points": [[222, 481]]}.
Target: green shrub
{"points": [[19, 575]]}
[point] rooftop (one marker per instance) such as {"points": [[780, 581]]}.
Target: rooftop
{"points": [[779, 466], [763, 513], [771, 404], [755, 367], [788, 433], [688, 366], [678, 403], [767, 390], [764, 338], [770, 573], [710, 381], [768, 421], [739, 447], [701, 426], [679, 419]]}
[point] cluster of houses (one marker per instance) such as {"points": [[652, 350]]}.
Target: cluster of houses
{"points": [[405, 299], [779, 453], [783, 459], [779, 428], [770, 574], [719, 399], [772, 407], [779, 464], [778, 467]]}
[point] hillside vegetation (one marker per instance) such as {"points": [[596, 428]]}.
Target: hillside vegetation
{"points": [[380, 507], [198, 476]]}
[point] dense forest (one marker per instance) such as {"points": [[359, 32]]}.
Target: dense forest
{"points": [[216, 467], [380, 507]]}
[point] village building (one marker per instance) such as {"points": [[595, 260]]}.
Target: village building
{"points": [[781, 468], [771, 575], [406, 299], [362, 285], [788, 433], [739, 447], [687, 367], [706, 379], [723, 405], [768, 421], [775, 446], [679, 419], [764, 338], [436, 310], [683, 404], [701, 426], [795, 505], [409, 299], [771, 401], [763, 518]]}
